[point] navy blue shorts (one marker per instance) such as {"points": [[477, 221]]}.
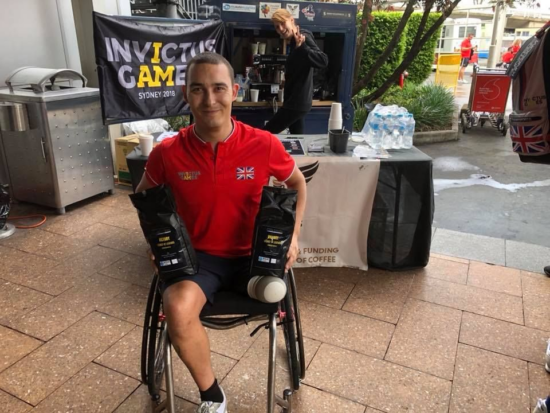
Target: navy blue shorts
{"points": [[216, 274]]}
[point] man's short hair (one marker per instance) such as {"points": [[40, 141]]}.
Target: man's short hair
{"points": [[281, 16], [209, 58]]}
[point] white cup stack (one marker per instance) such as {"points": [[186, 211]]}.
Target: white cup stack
{"points": [[146, 144], [335, 119]]}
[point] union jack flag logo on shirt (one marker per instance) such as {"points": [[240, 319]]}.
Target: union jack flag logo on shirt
{"points": [[245, 172], [528, 139]]}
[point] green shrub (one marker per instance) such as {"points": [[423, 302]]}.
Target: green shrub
{"points": [[360, 115], [421, 67], [431, 105], [381, 30], [177, 122]]}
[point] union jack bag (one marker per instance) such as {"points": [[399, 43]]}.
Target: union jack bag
{"points": [[530, 119]]}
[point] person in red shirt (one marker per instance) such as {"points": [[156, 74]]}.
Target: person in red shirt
{"points": [[465, 52], [515, 46], [216, 170], [507, 57], [510, 53]]}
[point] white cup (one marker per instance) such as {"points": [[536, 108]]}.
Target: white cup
{"points": [[254, 48], [334, 124], [146, 144], [261, 49], [281, 96], [336, 111], [254, 93]]}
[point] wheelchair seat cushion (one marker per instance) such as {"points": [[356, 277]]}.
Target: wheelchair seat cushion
{"points": [[230, 303]]}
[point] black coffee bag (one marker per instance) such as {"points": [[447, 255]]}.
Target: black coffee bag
{"points": [[165, 232], [273, 231], [5, 202]]}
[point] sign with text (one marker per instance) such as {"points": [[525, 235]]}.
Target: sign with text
{"points": [[491, 92], [340, 194], [141, 66]]}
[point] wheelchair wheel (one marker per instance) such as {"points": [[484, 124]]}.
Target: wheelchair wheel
{"points": [[291, 343], [147, 328], [155, 334], [298, 323]]}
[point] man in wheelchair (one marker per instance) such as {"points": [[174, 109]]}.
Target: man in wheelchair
{"points": [[216, 169]]}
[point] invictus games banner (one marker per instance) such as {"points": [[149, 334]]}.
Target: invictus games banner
{"points": [[141, 66]]}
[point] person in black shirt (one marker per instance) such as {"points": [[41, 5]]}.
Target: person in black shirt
{"points": [[304, 56]]}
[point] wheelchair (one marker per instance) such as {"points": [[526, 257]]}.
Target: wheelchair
{"points": [[228, 311]]}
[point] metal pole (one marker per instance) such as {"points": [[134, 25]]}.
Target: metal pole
{"points": [[168, 8], [499, 22], [272, 364], [171, 10], [170, 399]]}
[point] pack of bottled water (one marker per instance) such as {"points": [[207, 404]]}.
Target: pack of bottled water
{"points": [[389, 127]]}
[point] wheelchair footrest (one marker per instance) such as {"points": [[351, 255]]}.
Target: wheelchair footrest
{"points": [[286, 401]]}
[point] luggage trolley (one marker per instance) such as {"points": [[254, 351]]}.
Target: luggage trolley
{"points": [[488, 98]]}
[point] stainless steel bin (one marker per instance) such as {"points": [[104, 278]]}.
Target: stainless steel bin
{"points": [[54, 143]]}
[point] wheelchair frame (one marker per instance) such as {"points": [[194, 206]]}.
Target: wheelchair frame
{"points": [[156, 356]]}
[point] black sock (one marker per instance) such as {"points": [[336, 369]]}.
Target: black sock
{"points": [[213, 394]]}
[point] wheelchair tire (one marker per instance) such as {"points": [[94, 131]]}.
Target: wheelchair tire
{"points": [[147, 328], [155, 334], [155, 357], [298, 323], [291, 343]]}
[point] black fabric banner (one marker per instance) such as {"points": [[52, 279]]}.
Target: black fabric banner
{"points": [[141, 66]]}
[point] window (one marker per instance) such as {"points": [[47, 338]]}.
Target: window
{"points": [[518, 33], [525, 33], [464, 31]]}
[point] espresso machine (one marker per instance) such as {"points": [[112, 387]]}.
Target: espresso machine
{"points": [[267, 76]]}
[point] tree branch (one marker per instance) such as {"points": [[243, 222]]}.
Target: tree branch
{"points": [[393, 42], [428, 6], [410, 55], [365, 19]]}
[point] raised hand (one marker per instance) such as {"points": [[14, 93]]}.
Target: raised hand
{"points": [[298, 37]]}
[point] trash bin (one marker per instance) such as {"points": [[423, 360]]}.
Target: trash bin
{"points": [[53, 140]]}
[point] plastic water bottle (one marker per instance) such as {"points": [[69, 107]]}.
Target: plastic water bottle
{"points": [[375, 135], [398, 131], [387, 129], [409, 131]]}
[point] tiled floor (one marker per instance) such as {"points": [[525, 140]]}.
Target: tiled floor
{"points": [[457, 336]]}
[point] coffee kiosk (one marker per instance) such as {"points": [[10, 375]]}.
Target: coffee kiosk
{"points": [[258, 55]]}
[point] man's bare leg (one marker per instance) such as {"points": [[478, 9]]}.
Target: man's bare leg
{"points": [[183, 303], [461, 73]]}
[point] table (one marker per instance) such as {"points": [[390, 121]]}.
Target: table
{"points": [[400, 232], [394, 222]]}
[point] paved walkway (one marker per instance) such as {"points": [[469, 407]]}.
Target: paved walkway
{"points": [[460, 335]]}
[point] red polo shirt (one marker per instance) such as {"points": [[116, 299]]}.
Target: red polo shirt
{"points": [[218, 195], [465, 43]]}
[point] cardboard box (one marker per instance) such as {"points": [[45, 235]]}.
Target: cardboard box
{"points": [[123, 146], [126, 144]]}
